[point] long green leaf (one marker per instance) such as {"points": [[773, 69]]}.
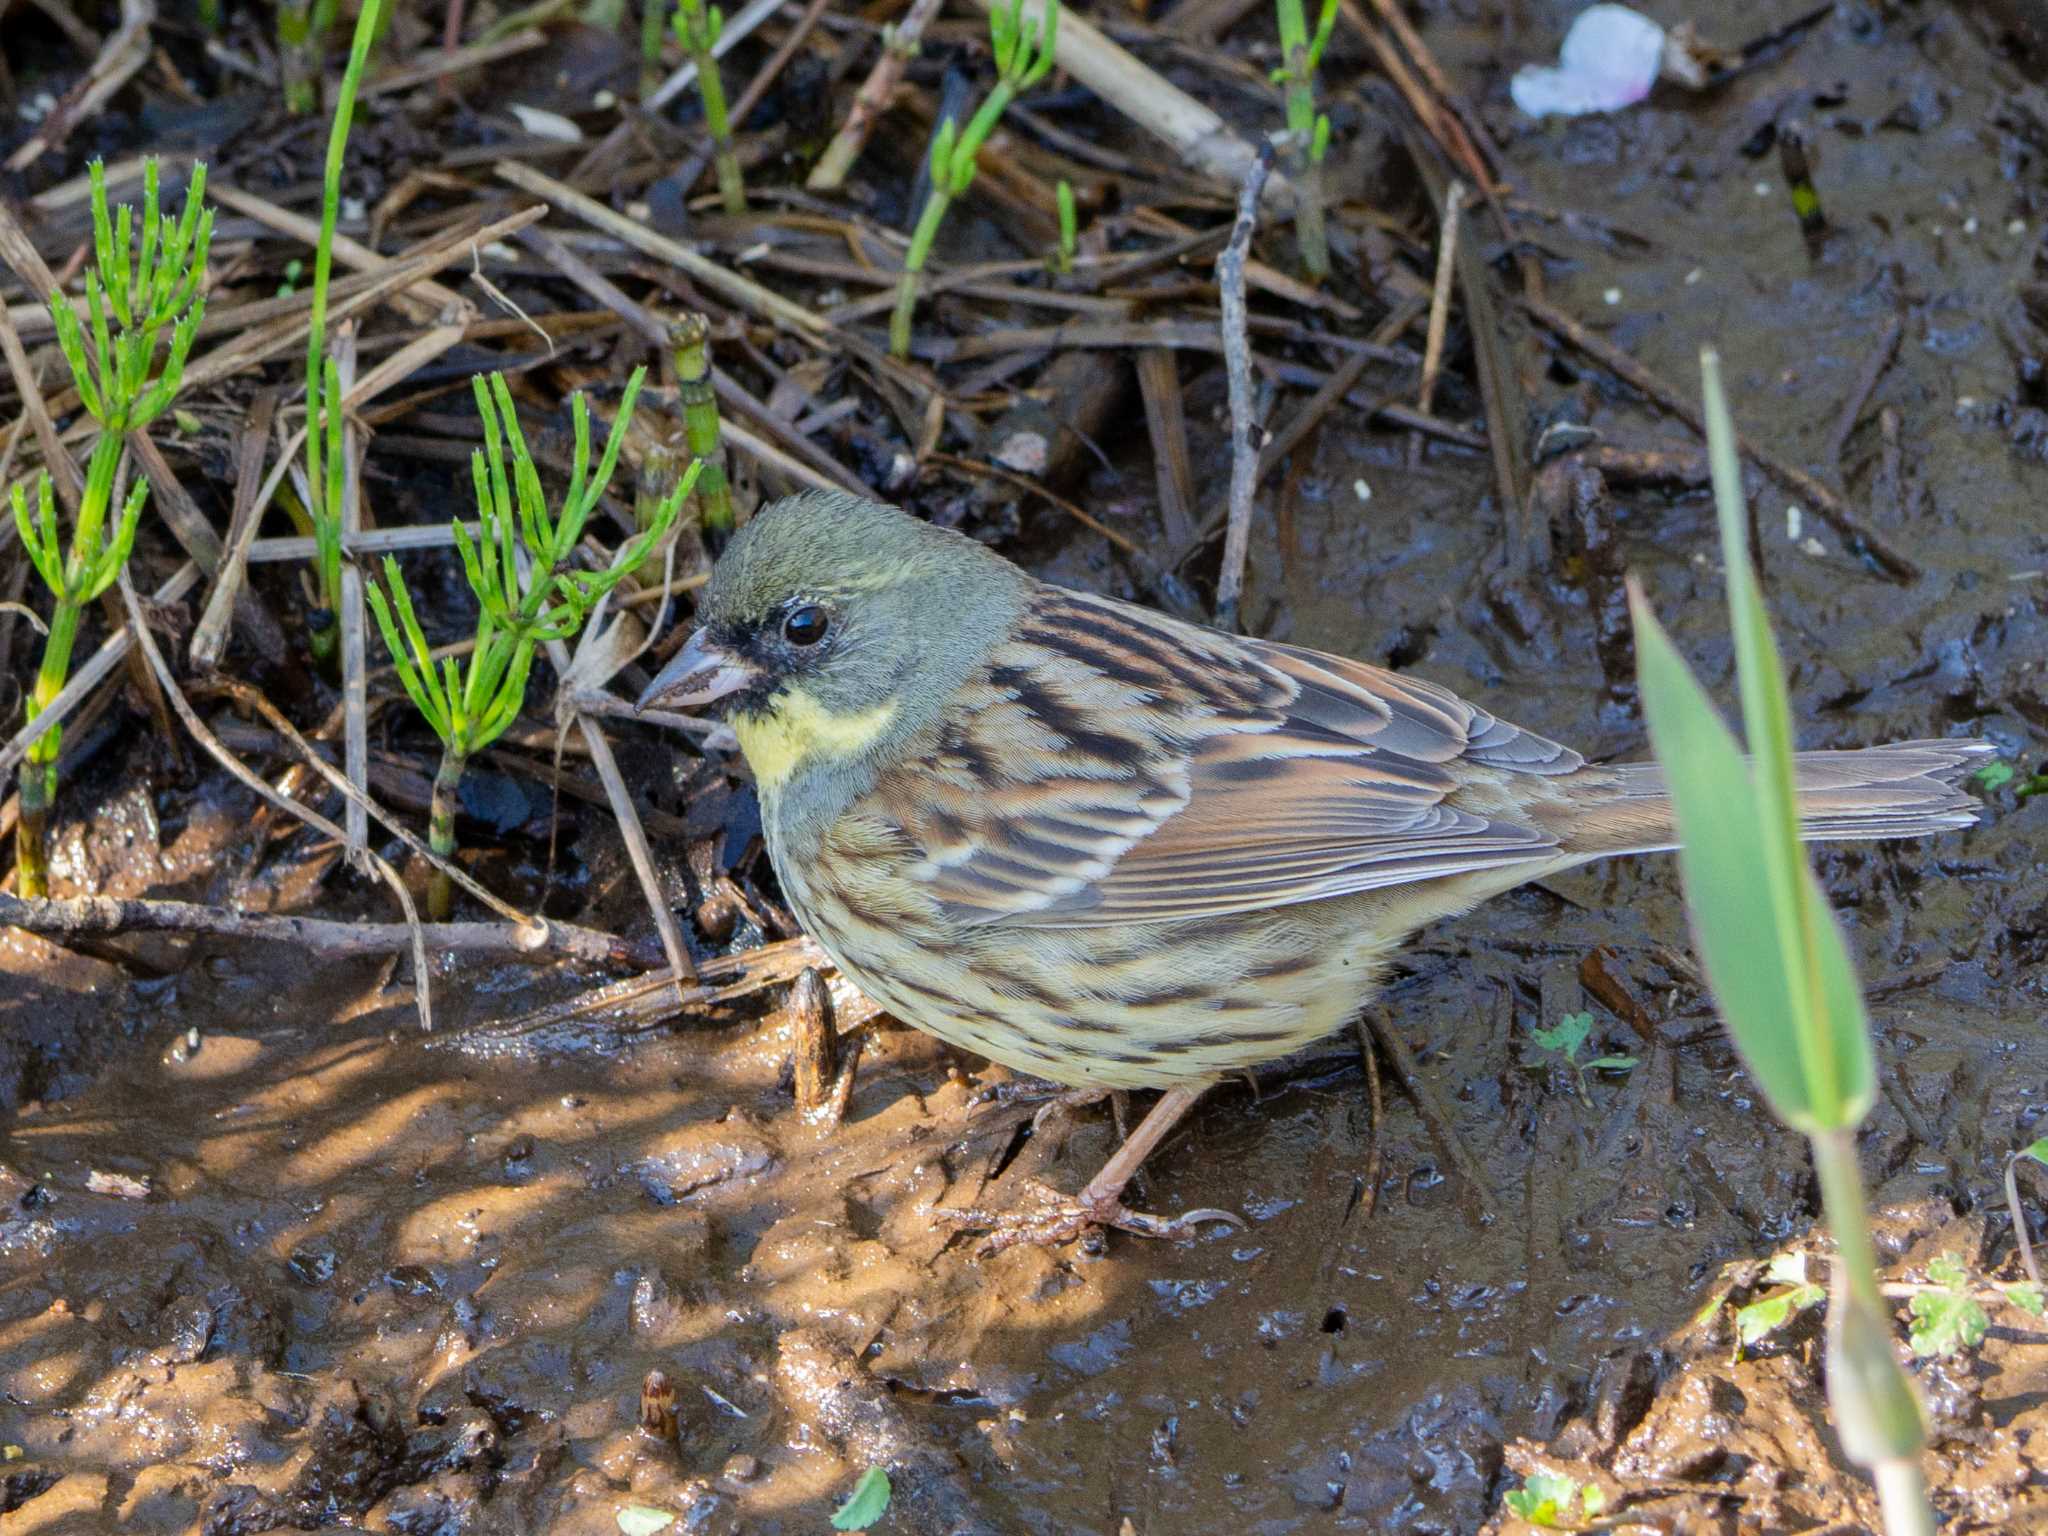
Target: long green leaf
{"points": [[1802, 1034]]}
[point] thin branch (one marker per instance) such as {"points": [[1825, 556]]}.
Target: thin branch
{"points": [[102, 916], [1245, 433]]}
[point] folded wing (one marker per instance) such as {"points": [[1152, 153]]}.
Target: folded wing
{"points": [[1113, 766]]}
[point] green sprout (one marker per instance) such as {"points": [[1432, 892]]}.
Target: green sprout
{"points": [[323, 396], [1946, 1317], [302, 28], [1554, 1502], [1998, 773], [659, 471], [690, 336], [1795, 1292], [651, 28], [698, 29], [139, 283], [1062, 260], [1308, 129], [1023, 57], [529, 591], [1780, 969], [1565, 1039]]}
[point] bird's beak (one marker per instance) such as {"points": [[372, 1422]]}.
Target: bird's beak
{"points": [[698, 674]]}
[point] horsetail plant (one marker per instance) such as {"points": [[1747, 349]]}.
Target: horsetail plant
{"points": [[651, 29], [1308, 129], [131, 296], [1023, 57], [529, 591], [324, 478], [302, 28], [1780, 970], [698, 29], [1062, 259], [690, 337]]}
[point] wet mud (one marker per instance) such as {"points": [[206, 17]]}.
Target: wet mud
{"points": [[272, 1260]]}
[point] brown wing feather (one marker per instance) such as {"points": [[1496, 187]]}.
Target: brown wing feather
{"points": [[1114, 766]]}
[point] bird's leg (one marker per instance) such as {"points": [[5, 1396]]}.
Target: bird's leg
{"points": [[1060, 1218]]}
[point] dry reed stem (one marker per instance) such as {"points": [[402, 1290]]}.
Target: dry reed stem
{"points": [[1195, 133], [210, 635], [125, 52], [749, 295]]}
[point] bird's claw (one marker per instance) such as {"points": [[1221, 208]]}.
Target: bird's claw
{"points": [[1056, 1218]]}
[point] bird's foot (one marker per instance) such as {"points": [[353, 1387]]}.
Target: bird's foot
{"points": [[1052, 1218], [1033, 1090]]}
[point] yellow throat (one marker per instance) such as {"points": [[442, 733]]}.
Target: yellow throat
{"points": [[798, 728]]}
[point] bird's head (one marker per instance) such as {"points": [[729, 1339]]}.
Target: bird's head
{"points": [[833, 626]]}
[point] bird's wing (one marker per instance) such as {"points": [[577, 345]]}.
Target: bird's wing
{"points": [[1111, 765]]}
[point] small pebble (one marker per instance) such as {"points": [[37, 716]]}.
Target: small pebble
{"points": [[1814, 547], [1763, 189], [1794, 521], [1692, 278], [1612, 296], [1361, 490], [2016, 227]]}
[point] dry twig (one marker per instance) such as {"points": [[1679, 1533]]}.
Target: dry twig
{"points": [[1246, 437], [103, 916]]}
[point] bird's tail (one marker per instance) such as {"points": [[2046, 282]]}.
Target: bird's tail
{"points": [[1905, 790]]}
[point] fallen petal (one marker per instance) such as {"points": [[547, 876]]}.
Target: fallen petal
{"points": [[1609, 60]]}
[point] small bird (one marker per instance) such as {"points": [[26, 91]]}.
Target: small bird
{"points": [[1118, 851]]}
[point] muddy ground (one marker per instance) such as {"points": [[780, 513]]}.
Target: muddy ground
{"points": [[270, 1259]]}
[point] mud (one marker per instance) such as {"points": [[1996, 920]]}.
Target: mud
{"points": [[271, 1260]]}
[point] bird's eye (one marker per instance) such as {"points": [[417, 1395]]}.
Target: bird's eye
{"points": [[805, 625]]}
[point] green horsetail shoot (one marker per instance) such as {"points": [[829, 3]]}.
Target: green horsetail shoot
{"points": [[690, 337], [521, 565], [1307, 129], [325, 480], [698, 29], [1062, 260], [1023, 57], [135, 290]]}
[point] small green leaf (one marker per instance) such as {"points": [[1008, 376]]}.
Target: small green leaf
{"points": [[1946, 1269], [1566, 1035], [2038, 1151], [1944, 1322], [1762, 1318], [864, 1507], [1543, 1498], [2028, 1298], [1592, 1501], [1612, 1064], [644, 1520], [1995, 774]]}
